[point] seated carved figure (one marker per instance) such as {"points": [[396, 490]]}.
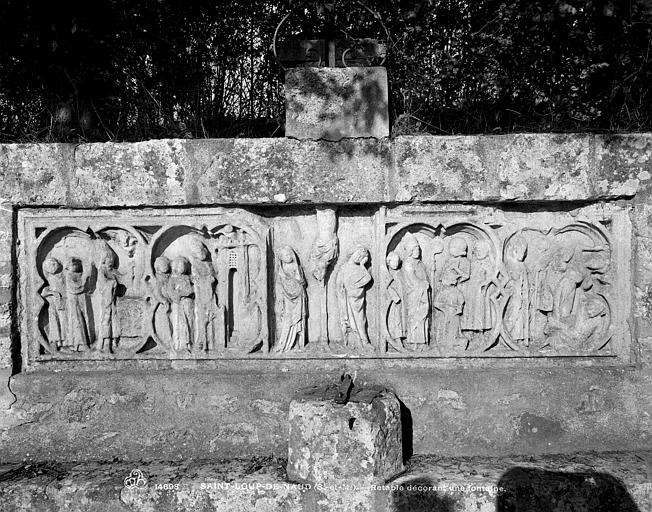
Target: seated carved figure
{"points": [[576, 332]]}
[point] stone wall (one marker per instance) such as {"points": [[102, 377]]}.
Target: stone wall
{"points": [[225, 408]]}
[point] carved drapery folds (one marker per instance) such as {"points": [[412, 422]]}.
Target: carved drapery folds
{"points": [[492, 287], [178, 290], [396, 283]]}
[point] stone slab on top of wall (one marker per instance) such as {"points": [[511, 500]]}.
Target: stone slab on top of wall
{"points": [[501, 168]]}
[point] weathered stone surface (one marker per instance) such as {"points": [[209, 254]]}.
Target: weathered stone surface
{"points": [[579, 483], [330, 442], [287, 171], [334, 103], [519, 167], [622, 164], [121, 285], [6, 398], [146, 173], [494, 168], [230, 486], [239, 408], [34, 173], [229, 408]]}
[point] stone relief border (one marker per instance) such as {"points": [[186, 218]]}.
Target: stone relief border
{"points": [[221, 283], [540, 284]]}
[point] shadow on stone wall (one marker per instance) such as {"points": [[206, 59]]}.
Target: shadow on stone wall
{"points": [[531, 489], [410, 500], [406, 427], [353, 97]]}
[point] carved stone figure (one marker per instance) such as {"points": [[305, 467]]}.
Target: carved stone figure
{"points": [[574, 332], [559, 282], [77, 332], [323, 254], [106, 289], [449, 304], [162, 306], [555, 291], [293, 292], [181, 293], [516, 288], [477, 313], [204, 282], [395, 320], [54, 294], [564, 291], [458, 263], [417, 294], [352, 282], [161, 276], [131, 270]]}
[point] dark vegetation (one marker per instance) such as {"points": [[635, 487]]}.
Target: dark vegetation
{"points": [[123, 70]]}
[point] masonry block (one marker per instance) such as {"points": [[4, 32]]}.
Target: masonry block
{"points": [[332, 442], [334, 103]]}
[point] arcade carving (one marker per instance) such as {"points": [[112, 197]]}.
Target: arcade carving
{"points": [[167, 290], [395, 284], [460, 288]]}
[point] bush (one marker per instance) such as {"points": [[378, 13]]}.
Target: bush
{"points": [[121, 70]]}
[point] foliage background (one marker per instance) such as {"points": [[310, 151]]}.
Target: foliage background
{"points": [[122, 70]]}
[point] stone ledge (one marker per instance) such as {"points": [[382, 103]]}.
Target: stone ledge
{"points": [[169, 172], [584, 482], [241, 409]]}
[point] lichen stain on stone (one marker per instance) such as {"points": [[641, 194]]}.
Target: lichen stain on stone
{"points": [[628, 188], [450, 398], [78, 407]]}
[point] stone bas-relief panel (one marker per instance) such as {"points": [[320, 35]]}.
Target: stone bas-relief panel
{"points": [[407, 282], [132, 286], [508, 285]]}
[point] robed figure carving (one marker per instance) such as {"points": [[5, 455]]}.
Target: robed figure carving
{"points": [[204, 282], [516, 289], [294, 299], [78, 332], [416, 294], [181, 293], [352, 282], [323, 254], [477, 311], [54, 293], [107, 291], [449, 304], [395, 320], [162, 306]]}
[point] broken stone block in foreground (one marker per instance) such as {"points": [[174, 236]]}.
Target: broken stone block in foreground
{"points": [[360, 440]]}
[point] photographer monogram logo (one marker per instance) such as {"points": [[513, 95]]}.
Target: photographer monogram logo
{"points": [[135, 480]]}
